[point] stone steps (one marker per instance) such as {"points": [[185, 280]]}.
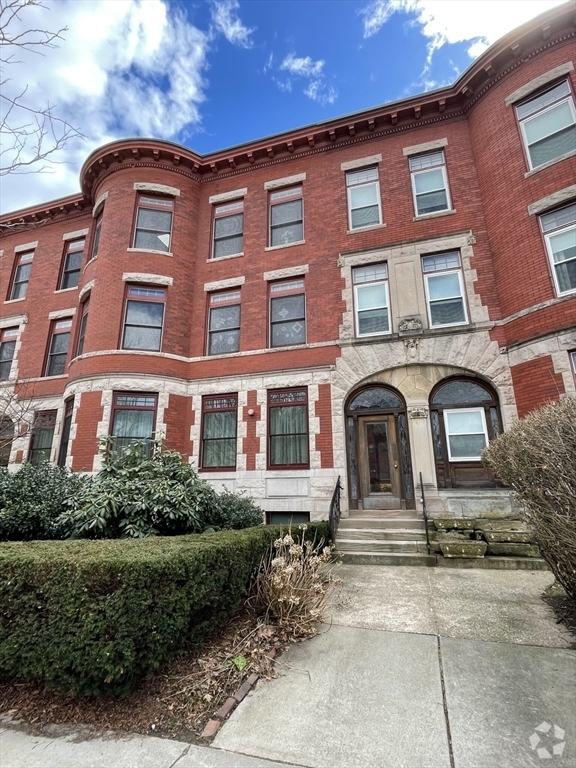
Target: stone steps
{"points": [[383, 534], [380, 545], [384, 537], [373, 523], [389, 558]]}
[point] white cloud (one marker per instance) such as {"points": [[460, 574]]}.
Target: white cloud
{"points": [[454, 21], [317, 88], [302, 66], [226, 21]]}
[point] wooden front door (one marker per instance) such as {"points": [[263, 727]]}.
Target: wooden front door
{"points": [[379, 465]]}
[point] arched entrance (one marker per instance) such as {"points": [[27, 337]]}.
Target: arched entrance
{"points": [[379, 464]]}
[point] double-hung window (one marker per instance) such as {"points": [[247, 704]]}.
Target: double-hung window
{"points": [[153, 223], [559, 228], [58, 348], [466, 433], [96, 240], [219, 417], [364, 208], [42, 437], [429, 183], [133, 420], [288, 428], [371, 300], [144, 318], [224, 322], [82, 328], [65, 438], [444, 289], [286, 216], [287, 313], [72, 263], [548, 124], [21, 278], [8, 338], [228, 229]]}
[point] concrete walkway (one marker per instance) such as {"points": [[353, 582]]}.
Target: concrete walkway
{"points": [[420, 668]]}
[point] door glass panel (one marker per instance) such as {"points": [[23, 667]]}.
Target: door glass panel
{"points": [[378, 458]]}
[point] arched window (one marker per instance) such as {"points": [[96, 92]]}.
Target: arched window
{"points": [[464, 415]]}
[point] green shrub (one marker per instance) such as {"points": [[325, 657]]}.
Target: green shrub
{"points": [[537, 459], [234, 511], [32, 500], [95, 617], [136, 496]]}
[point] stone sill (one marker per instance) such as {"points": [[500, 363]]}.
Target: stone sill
{"points": [[365, 229], [286, 245], [224, 258], [549, 163], [149, 250], [435, 215]]}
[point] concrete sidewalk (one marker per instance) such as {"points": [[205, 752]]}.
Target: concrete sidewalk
{"points": [[420, 668]]}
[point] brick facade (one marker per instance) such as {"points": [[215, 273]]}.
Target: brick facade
{"points": [[514, 333]]}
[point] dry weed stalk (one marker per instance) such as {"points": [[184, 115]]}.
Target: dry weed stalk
{"points": [[294, 582]]}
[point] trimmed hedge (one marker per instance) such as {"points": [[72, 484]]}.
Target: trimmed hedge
{"points": [[95, 617]]}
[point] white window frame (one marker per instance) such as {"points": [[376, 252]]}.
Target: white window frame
{"points": [[439, 273], [447, 412], [570, 226], [439, 166], [523, 121], [358, 287], [277, 197], [351, 186], [224, 211], [573, 360]]}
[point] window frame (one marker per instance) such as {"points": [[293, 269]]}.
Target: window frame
{"points": [[350, 187], [65, 433], [421, 171], [357, 286], [523, 121], [572, 354], [147, 201], [96, 236], [290, 290], [219, 299], [226, 210], [35, 455], [65, 271], [554, 231], [82, 325], [8, 336], [440, 273], [221, 407], [285, 195], [119, 407], [474, 409], [59, 327], [145, 299], [22, 260], [304, 403]]}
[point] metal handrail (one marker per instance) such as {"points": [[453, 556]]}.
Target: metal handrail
{"points": [[423, 502], [334, 514]]}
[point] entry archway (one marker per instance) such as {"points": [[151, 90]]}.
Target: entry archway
{"points": [[379, 466]]}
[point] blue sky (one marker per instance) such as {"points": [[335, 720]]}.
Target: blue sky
{"points": [[214, 73]]}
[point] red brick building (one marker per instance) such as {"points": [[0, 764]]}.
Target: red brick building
{"points": [[372, 298]]}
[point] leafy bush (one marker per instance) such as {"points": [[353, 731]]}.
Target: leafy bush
{"points": [[32, 500], [294, 581], [95, 617], [234, 511], [537, 459], [136, 496]]}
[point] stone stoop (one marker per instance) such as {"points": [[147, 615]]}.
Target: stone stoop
{"points": [[390, 537]]}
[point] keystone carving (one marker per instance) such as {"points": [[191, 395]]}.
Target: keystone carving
{"points": [[411, 348], [417, 412], [471, 240], [410, 324]]}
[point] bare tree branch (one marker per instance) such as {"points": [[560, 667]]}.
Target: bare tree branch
{"points": [[30, 136]]}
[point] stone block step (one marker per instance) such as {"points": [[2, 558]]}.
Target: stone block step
{"points": [[380, 534], [497, 563], [375, 545], [402, 523], [387, 513], [389, 558]]}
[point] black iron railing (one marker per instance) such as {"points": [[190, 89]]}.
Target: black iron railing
{"points": [[334, 514], [423, 502]]}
